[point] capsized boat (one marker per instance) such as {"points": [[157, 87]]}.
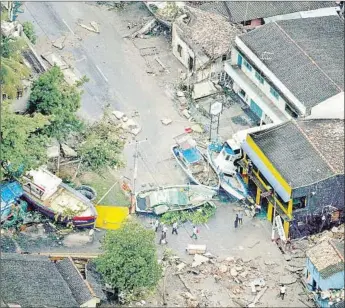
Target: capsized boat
{"points": [[172, 198], [223, 158], [194, 163], [46, 193]]}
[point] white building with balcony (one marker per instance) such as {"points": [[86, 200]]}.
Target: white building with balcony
{"points": [[290, 69]]}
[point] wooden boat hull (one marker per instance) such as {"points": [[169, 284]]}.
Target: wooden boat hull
{"points": [[190, 174], [225, 181], [80, 222]]}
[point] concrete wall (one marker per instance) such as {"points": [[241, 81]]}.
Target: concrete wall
{"points": [[265, 87], [328, 11], [201, 60], [308, 220], [335, 281], [330, 108], [275, 81]]}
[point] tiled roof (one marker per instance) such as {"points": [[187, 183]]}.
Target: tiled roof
{"points": [[33, 281], [74, 280], [298, 154], [306, 55], [248, 10], [327, 135], [210, 32], [326, 258], [95, 280]]}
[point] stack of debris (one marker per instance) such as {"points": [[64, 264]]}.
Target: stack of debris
{"points": [[128, 125]]}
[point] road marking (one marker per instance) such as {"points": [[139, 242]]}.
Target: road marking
{"points": [[105, 78], [207, 226], [68, 26], [81, 59]]}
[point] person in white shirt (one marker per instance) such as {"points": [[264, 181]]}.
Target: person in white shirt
{"points": [[282, 291], [195, 231], [174, 228], [156, 225]]}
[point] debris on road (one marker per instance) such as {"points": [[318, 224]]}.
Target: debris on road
{"points": [[199, 259], [94, 27], [145, 29], [60, 42], [288, 279], [166, 121]]}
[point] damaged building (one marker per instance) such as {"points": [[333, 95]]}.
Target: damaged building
{"points": [[202, 42], [298, 168]]}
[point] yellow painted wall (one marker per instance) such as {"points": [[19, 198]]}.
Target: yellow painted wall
{"points": [[268, 164], [286, 228], [110, 217]]}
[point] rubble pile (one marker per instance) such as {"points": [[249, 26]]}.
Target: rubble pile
{"points": [[245, 280]]}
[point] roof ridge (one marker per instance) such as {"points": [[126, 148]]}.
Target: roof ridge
{"points": [[315, 148], [309, 57], [336, 249]]}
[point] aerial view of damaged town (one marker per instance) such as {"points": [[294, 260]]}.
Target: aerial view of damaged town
{"points": [[172, 154]]}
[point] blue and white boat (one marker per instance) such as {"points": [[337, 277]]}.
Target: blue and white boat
{"points": [[194, 163], [223, 158]]}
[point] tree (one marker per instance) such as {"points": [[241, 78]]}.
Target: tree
{"points": [[129, 260], [21, 143], [29, 31], [51, 95], [12, 69], [101, 146]]}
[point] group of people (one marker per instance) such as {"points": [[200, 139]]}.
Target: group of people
{"points": [[238, 219], [163, 238]]}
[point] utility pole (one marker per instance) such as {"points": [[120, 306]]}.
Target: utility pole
{"points": [[274, 215], [135, 173]]}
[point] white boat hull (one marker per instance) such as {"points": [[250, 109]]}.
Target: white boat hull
{"points": [[231, 184]]}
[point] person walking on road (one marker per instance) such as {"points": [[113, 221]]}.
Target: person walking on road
{"points": [[165, 230], [282, 291], [174, 228], [156, 225], [236, 221], [195, 231], [240, 217]]}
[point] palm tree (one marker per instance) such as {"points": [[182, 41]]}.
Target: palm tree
{"points": [[13, 70]]}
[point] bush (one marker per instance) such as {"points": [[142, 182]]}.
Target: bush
{"points": [[29, 31]]}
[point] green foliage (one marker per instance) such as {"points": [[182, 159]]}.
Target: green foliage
{"points": [[101, 146], [21, 143], [29, 31], [197, 217], [12, 70], [129, 260], [51, 95]]}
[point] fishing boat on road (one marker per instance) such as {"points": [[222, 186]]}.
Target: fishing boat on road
{"points": [[223, 158], [46, 193], [194, 163], [172, 198]]}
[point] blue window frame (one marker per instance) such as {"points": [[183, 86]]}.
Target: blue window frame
{"points": [[259, 77], [247, 65], [256, 109], [274, 93]]}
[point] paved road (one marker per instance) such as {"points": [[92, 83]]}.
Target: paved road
{"points": [[117, 76]]}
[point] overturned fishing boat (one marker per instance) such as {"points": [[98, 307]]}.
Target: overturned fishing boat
{"points": [[172, 198], [223, 158], [46, 193], [193, 162]]}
